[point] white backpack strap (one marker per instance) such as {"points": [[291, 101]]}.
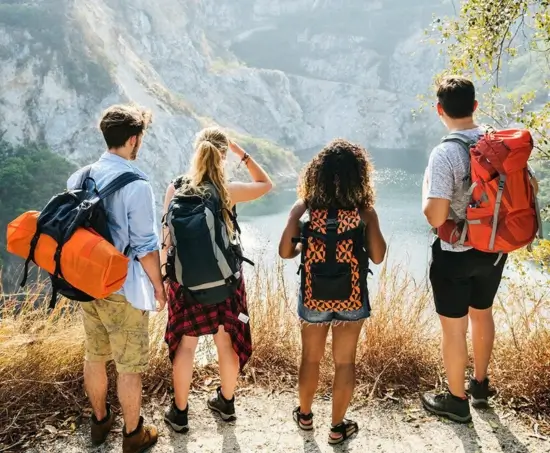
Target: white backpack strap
{"points": [[501, 184]]}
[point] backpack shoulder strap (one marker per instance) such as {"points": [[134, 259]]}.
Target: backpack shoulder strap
{"points": [[462, 139], [212, 192], [118, 183], [465, 143], [84, 176]]}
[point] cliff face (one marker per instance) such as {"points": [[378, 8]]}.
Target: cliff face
{"points": [[296, 72]]}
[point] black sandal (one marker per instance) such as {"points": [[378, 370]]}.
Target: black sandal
{"points": [[346, 429], [298, 417]]}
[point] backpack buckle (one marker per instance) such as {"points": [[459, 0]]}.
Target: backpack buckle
{"points": [[332, 224]]}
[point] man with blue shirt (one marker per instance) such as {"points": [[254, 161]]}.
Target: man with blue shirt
{"points": [[117, 327]]}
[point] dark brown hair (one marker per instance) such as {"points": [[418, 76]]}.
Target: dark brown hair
{"points": [[457, 96], [340, 176], [120, 122]]}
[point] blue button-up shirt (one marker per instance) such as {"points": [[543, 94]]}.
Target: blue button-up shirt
{"points": [[132, 222]]}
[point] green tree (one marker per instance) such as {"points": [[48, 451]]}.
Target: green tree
{"points": [[505, 46], [29, 176], [500, 41]]}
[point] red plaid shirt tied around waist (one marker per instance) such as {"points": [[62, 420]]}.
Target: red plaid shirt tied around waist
{"points": [[195, 320]]}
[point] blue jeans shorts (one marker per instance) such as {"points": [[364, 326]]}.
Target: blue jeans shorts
{"points": [[321, 317]]}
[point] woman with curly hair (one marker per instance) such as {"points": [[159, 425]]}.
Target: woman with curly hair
{"points": [[336, 244]]}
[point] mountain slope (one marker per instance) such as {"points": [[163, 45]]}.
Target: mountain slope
{"points": [[297, 73]]}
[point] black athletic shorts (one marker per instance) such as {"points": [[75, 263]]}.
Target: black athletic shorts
{"points": [[461, 280]]}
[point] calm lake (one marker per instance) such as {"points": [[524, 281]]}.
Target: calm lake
{"points": [[398, 204]]}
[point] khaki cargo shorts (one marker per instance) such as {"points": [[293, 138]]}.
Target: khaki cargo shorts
{"points": [[115, 330]]}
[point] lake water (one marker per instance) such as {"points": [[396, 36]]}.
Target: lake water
{"points": [[398, 204]]}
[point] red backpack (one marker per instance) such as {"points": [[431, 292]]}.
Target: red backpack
{"points": [[503, 213]]}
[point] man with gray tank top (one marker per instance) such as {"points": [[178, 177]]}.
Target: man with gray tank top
{"points": [[464, 280]]}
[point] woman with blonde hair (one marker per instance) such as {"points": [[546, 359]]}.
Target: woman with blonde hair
{"points": [[190, 317]]}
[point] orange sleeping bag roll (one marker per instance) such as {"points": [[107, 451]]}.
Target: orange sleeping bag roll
{"points": [[88, 261]]}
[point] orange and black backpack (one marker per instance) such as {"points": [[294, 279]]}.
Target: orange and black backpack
{"points": [[70, 239], [334, 260]]}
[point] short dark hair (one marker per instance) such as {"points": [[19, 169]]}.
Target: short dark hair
{"points": [[120, 122], [457, 96]]}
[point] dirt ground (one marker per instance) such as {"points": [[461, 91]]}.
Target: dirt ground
{"points": [[265, 424]]}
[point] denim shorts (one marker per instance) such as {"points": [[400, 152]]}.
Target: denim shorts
{"points": [[319, 317]]}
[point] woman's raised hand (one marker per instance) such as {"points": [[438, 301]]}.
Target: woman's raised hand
{"points": [[236, 149]]}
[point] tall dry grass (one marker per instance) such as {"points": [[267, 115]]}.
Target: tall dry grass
{"points": [[398, 354]]}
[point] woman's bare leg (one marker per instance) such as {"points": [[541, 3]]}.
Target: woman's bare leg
{"points": [[344, 347], [183, 370], [228, 361], [314, 338]]}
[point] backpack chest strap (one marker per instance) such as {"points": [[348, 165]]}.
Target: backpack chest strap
{"points": [[332, 235]]}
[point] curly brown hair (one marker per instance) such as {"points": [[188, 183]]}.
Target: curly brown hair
{"points": [[338, 177]]}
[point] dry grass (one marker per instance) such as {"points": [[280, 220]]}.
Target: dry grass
{"points": [[41, 353], [521, 360]]}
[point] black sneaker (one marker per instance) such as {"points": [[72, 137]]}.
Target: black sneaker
{"points": [[225, 408], [480, 393], [177, 419], [447, 405]]}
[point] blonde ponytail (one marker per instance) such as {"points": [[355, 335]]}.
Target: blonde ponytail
{"points": [[207, 165]]}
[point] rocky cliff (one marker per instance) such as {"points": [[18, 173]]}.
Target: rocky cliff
{"points": [[294, 72]]}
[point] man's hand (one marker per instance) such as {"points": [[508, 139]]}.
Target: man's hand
{"points": [[160, 297], [151, 266]]}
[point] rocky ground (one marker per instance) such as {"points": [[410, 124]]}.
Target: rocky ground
{"points": [[265, 425]]}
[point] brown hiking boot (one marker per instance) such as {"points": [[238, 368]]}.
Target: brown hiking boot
{"points": [[143, 438], [100, 429]]}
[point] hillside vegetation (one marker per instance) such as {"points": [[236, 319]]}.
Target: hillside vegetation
{"points": [[29, 176]]}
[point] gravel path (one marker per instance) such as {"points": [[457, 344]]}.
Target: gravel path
{"points": [[265, 425]]}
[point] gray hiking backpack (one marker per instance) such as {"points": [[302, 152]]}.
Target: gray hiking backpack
{"points": [[204, 260]]}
